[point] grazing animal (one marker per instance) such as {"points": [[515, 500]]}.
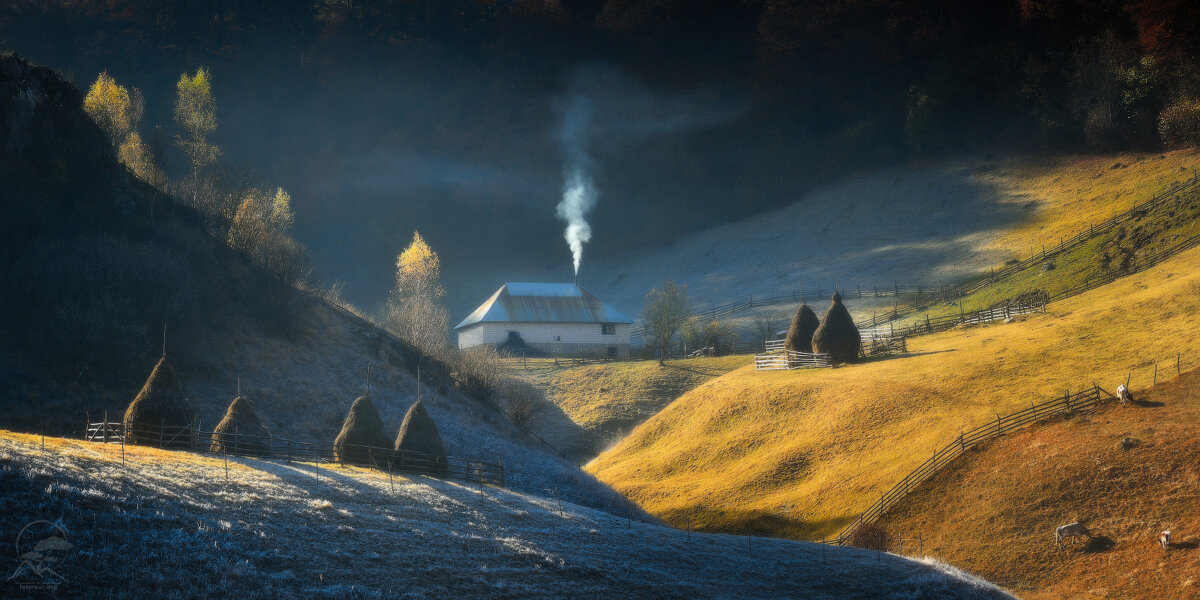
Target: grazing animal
{"points": [[1123, 394], [1164, 540], [1070, 531]]}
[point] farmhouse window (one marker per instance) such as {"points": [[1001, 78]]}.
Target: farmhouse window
{"points": [[608, 329]]}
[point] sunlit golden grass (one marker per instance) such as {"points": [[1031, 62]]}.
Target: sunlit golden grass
{"points": [[801, 453], [1071, 192], [609, 398], [994, 510]]}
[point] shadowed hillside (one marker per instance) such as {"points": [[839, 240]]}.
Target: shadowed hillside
{"points": [[93, 262]]}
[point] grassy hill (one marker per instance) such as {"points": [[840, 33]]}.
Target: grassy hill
{"points": [[607, 400], [800, 453], [994, 510], [171, 524]]}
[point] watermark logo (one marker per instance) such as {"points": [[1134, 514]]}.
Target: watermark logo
{"points": [[42, 549]]}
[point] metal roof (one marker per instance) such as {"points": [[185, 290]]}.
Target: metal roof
{"points": [[543, 303]]}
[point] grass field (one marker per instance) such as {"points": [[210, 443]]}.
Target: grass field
{"points": [[609, 399], [800, 453], [172, 525], [1108, 252], [995, 509], [1071, 192]]}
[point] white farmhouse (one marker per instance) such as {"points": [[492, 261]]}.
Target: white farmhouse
{"points": [[562, 319]]}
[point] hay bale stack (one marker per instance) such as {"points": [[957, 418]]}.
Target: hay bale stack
{"points": [[800, 334], [418, 433], [240, 431], [160, 414], [837, 334], [361, 432]]}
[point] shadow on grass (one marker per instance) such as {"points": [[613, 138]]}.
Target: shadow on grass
{"points": [[759, 523], [693, 370], [1100, 543], [1146, 403]]}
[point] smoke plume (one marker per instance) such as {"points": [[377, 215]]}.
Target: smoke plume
{"points": [[579, 193]]}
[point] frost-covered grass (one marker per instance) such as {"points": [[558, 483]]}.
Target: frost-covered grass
{"points": [[169, 525]]}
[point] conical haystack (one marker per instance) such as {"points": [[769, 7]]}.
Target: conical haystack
{"points": [[800, 334], [160, 414], [240, 432], [418, 445], [837, 335], [362, 440]]}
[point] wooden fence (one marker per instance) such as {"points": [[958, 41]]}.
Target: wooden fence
{"points": [[191, 437], [790, 359], [1067, 404], [722, 310]]}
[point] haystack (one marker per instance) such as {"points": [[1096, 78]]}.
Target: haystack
{"points": [[240, 431], [160, 414], [837, 335], [362, 438], [418, 433], [800, 334]]}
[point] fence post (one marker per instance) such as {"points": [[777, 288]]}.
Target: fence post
{"points": [[961, 444], [1177, 372], [1156, 372], [162, 424], [289, 449], [87, 425]]}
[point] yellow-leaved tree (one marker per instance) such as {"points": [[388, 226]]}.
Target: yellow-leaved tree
{"points": [[118, 112], [413, 309], [196, 114], [261, 228], [111, 107]]}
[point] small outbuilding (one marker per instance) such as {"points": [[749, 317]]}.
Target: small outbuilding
{"points": [[362, 440], [160, 414], [800, 333], [837, 335], [418, 445], [241, 431]]}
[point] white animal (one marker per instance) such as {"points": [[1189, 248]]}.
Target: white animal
{"points": [[1070, 531], [1123, 394], [1164, 540]]}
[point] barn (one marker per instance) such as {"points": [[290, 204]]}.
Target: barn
{"points": [[561, 319]]}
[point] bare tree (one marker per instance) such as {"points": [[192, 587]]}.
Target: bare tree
{"points": [[522, 404], [479, 371], [664, 312], [764, 326]]}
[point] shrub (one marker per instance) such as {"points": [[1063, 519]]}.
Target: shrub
{"points": [[870, 536], [522, 403], [479, 372], [1179, 123]]}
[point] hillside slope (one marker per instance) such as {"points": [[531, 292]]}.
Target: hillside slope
{"points": [[607, 400], [94, 264], [170, 524], [800, 453], [930, 223], [994, 510]]}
